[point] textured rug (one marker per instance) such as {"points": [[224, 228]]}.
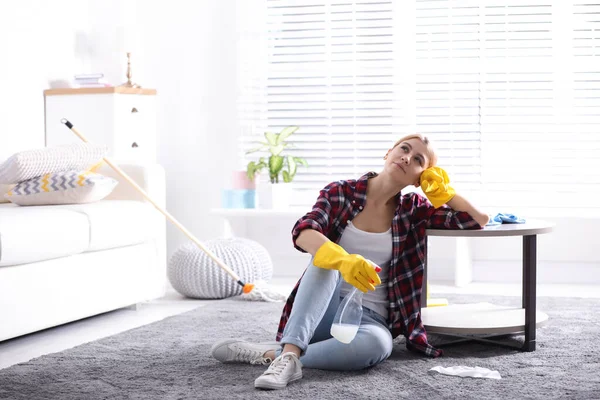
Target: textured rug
{"points": [[170, 359]]}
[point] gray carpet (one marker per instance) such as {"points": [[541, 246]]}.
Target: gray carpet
{"points": [[170, 359]]}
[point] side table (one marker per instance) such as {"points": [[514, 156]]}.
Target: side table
{"points": [[484, 319]]}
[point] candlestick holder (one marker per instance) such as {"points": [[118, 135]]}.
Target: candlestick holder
{"points": [[129, 82]]}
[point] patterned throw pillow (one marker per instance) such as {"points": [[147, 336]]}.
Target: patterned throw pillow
{"points": [[37, 162], [67, 187]]}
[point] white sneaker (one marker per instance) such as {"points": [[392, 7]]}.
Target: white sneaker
{"points": [[284, 369], [240, 351]]}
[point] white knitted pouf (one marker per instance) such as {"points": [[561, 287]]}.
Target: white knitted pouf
{"points": [[194, 274]]}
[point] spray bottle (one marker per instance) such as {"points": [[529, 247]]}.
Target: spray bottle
{"points": [[349, 314]]}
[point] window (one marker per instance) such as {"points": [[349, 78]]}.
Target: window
{"points": [[335, 70], [508, 91]]}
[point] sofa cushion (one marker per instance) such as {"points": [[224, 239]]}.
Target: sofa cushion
{"points": [[37, 233], [29, 234], [116, 223]]}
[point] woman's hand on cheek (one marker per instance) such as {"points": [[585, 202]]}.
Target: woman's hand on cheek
{"points": [[435, 184]]}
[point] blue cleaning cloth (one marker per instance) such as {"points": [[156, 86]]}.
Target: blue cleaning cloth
{"points": [[502, 218]]}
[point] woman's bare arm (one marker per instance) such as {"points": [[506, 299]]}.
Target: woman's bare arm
{"points": [[311, 240], [459, 203]]}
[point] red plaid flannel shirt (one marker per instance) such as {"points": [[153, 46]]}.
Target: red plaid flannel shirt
{"points": [[338, 203]]}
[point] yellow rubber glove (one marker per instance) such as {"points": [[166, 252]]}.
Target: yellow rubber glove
{"points": [[436, 186], [355, 269]]}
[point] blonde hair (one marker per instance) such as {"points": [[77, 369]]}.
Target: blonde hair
{"points": [[430, 151]]}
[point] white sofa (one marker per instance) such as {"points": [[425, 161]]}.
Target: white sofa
{"points": [[67, 262]]}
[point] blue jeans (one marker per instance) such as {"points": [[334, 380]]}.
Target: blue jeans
{"points": [[309, 324]]}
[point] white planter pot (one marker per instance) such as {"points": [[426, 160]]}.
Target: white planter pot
{"points": [[273, 195]]}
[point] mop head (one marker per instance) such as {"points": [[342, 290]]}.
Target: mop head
{"points": [[261, 291]]}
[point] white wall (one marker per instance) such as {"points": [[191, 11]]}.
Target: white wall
{"points": [[37, 43], [190, 58], [569, 254], [187, 51], [566, 255], [43, 41]]}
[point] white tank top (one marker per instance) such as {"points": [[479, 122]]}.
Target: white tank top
{"points": [[376, 247]]}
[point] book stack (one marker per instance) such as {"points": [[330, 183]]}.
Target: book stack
{"points": [[90, 81]]}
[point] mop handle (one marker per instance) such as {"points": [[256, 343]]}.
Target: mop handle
{"points": [[164, 212]]}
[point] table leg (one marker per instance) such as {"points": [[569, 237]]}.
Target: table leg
{"points": [[529, 290]]}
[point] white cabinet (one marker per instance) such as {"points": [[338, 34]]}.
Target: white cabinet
{"points": [[122, 118]]}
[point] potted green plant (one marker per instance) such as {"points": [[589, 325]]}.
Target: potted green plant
{"points": [[281, 168]]}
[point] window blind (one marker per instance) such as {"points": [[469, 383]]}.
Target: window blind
{"points": [[335, 70], [507, 90], [532, 115], [447, 95]]}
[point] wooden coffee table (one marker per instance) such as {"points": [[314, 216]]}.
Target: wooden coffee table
{"points": [[483, 321]]}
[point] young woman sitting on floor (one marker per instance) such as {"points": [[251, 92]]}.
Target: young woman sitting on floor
{"points": [[351, 222]]}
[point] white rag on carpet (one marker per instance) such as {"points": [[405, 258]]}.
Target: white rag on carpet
{"points": [[474, 372]]}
